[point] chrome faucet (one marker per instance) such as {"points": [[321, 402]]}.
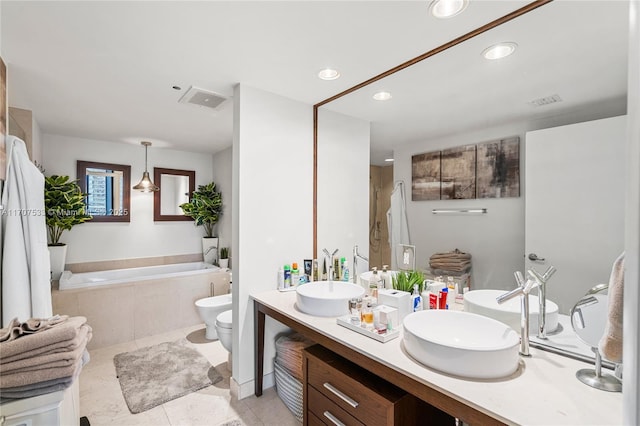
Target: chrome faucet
{"points": [[523, 290], [542, 298], [356, 256]]}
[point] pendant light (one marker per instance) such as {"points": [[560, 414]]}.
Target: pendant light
{"points": [[145, 184]]}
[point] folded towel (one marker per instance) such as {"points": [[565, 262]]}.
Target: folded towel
{"points": [[31, 377], [40, 388], [610, 344], [16, 329], [48, 360], [61, 332], [63, 346]]}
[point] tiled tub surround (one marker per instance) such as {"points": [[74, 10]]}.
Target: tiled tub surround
{"points": [[125, 312]]}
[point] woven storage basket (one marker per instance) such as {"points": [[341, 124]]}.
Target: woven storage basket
{"points": [[289, 353], [289, 389]]}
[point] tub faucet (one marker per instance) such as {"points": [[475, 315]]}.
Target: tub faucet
{"points": [[541, 280], [356, 256], [523, 289]]}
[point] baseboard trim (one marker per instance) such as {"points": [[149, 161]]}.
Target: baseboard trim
{"points": [[245, 390]]}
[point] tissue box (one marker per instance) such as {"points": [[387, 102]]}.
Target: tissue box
{"points": [[401, 300], [388, 314]]}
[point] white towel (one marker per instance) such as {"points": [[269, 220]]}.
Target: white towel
{"points": [[610, 345]]}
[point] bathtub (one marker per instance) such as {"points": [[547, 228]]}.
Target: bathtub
{"points": [[69, 280]]}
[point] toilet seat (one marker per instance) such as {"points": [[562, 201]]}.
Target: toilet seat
{"points": [[224, 320], [210, 302]]}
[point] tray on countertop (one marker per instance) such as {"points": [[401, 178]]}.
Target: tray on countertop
{"points": [[345, 321]]}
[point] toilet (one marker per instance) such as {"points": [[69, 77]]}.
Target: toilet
{"points": [[209, 308], [224, 329]]}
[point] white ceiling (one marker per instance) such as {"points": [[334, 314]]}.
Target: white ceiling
{"points": [[105, 70]]}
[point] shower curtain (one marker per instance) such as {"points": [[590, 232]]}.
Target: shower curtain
{"points": [[397, 222], [26, 288]]}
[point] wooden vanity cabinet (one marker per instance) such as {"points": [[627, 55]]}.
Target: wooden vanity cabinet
{"points": [[337, 392]]}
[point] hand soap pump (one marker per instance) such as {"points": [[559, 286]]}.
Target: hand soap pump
{"points": [[416, 300]]}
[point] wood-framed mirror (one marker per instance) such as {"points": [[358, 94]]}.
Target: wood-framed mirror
{"points": [[176, 187], [108, 190]]}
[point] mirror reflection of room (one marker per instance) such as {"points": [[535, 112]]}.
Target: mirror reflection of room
{"points": [[107, 189]]}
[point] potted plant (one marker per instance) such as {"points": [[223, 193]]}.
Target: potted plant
{"points": [[65, 208], [205, 207], [224, 257]]}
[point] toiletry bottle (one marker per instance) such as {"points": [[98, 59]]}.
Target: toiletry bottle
{"points": [[324, 269], [287, 276], [374, 282], [342, 260], [425, 295], [336, 269], [295, 274], [442, 300], [280, 278], [354, 311], [384, 277], [451, 286], [345, 271], [314, 276], [416, 299], [367, 317]]}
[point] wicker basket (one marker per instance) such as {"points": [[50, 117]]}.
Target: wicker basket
{"points": [[289, 353], [289, 389]]}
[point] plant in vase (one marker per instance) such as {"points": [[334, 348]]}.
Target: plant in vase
{"points": [[205, 208], [65, 208], [224, 257]]}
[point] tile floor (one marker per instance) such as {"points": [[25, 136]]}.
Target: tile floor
{"points": [[102, 402]]}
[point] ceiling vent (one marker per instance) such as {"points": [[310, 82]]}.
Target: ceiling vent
{"points": [[204, 98], [545, 101]]}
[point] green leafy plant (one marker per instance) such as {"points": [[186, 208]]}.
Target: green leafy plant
{"points": [[224, 253], [205, 207], [64, 204], [405, 280]]}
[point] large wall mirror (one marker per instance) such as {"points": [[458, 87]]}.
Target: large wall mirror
{"points": [[107, 187], [176, 187], [576, 50]]}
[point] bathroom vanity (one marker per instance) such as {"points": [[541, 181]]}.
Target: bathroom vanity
{"points": [[544, 389]]}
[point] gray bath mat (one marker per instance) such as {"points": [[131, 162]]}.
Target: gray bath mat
{"points": [[156, 374]]}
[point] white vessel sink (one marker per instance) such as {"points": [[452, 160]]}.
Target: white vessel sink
{"points": [[326, 298], [483, 302], [461, 343]]}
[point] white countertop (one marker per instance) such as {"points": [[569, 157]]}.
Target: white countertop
{"points": [[544, 390]]}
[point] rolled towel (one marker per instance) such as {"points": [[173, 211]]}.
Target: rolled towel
{"points": [[59, 333], [610, 344]]}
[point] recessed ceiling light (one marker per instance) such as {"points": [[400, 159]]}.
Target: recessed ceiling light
{"points": [[176, 87], [382, 96], [447, 8], [328, 74], [500, 50], [389, 160]]}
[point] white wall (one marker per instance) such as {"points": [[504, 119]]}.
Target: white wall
{"points": [[272, 210], [496, 239], [222, 176], [343, 189], [141, 237], [631, 354]]}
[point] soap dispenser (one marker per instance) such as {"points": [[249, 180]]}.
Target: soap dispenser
{"points": [[384, 277]]}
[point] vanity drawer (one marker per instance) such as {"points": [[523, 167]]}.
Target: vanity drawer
{"points": [[368, 398], [326, 411]]}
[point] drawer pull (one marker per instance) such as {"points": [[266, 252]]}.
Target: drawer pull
{"points": [[333, 419], [341, 395]]}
